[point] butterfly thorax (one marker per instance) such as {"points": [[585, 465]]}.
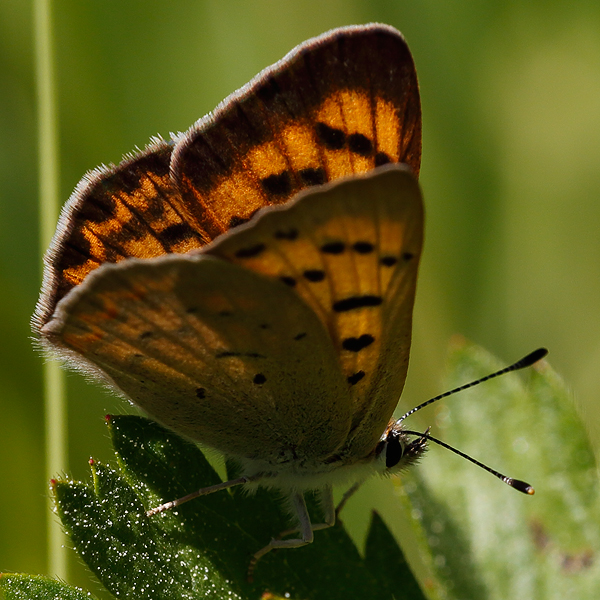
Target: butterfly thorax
{"points": [[394, 452]]}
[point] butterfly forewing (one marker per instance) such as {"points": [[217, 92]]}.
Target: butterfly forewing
{"points": [[115, 213], [338, 104], [351, 252], [326, 111]]}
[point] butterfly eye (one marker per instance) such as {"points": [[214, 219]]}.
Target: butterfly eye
{"points": [[394, 450], [399, 451]]}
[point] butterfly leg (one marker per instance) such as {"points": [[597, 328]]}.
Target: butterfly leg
{"points": [[305, 530], [201, 492], [329, 513], [347, 495], [328, 507]]}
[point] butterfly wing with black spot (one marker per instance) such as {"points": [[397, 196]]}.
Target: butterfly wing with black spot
{"points": [[115, 213], [288, 337], [351, 252], [338, 104], [212, 350]]}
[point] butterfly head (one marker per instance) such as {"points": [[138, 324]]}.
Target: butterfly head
{"points": [[397, 450]]}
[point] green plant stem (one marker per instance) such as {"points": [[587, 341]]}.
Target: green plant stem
{"points": [[54, 388]]}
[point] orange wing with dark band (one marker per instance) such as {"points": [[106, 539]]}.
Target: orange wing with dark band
{"points": [[339, 104]]}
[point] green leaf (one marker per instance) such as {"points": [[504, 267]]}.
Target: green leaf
{"points": [[386, 561], [203, 547], [28, 587], [480, 538]]}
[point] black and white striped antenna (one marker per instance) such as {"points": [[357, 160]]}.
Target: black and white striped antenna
{"points": [[526, 361]]}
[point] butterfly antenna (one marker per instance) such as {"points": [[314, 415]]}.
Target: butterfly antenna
{"points": [[522, 486], [526, 361]]}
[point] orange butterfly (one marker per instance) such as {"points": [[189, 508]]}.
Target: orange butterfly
{"points": [[250, 284]]}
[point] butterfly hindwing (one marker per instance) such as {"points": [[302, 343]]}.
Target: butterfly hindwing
{"points": [[212, 350]]}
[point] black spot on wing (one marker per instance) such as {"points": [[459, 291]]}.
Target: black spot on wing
{"points": [[77, 252], [235, 221], [250, 251], [145, 335], [176, 233], [136, 231], [356, 344], [98, 208], [311, 176], [334, 139], [300, 336], [314, 275], [333, 248], [388, 261], [408, 256], [363, 247], [355, 302], [155, 208], [259, 379], [360, 144], [278, 185], [381, 158], [356, 377], [231, 353], [227, 354], [201, 393], [288, 280]]}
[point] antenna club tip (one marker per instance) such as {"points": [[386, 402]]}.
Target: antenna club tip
{"points": [[522, 486], [532, 358]]}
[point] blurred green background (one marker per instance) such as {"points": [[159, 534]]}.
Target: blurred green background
{"points": [[511, 177]]}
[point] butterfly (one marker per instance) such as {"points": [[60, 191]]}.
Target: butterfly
{"points": [[250, 283]]}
